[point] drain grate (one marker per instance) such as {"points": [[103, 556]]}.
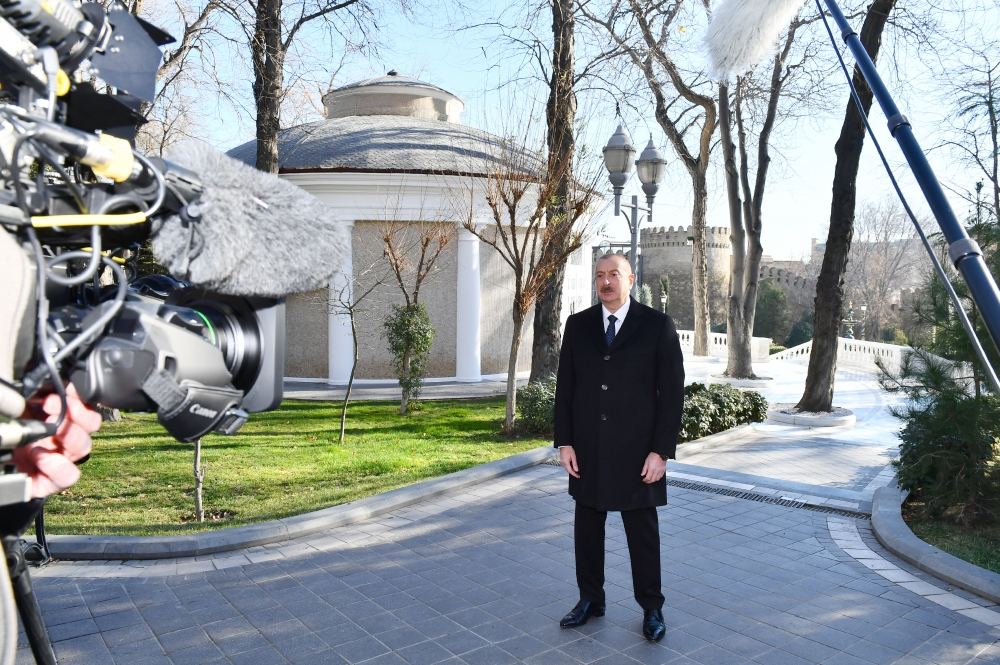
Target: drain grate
{"points": [[765, 498], [753, 496]]}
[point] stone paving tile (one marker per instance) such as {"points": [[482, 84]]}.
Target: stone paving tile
{"points": [[485, 580]]}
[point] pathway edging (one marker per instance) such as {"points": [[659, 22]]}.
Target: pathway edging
{"points": [[78, 548], [892, 532]]}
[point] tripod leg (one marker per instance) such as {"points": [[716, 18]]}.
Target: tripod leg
{"points": [[27, 604]]}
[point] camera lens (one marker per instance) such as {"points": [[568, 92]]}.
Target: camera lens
{"points": [[233, 330]]}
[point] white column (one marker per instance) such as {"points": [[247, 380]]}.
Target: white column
{"points": [[340, 344], [467, 330]]}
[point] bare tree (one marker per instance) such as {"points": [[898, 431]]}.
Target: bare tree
{"points": [[685, 108], [269, 29], [170, 117], [883, 260], [552, 61], [560, 114], [412, 250], [518, 191], [350, 299], [975, 91], [746, 202], [818, 392]]}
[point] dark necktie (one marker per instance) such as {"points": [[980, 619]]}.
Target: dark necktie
{"points": [[609, 334]]}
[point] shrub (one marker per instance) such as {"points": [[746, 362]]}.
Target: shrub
{"points": [[949, 456], [718, 407], [410, 334], [536, 404], [775, 348], [707, 409]]}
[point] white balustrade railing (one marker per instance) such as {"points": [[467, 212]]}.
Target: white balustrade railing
{"points": [[859, 354], [718, 345], [855, 353]]}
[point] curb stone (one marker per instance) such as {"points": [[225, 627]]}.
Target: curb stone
{"points": [[892, 532], [76, 548]]}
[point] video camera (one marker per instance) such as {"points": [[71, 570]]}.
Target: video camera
{"points": [[80, 200]]}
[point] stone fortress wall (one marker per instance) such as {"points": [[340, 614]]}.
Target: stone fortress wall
{"points": [[667, 251]]}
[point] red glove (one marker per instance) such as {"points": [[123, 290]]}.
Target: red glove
{"points": [[50, 462]]}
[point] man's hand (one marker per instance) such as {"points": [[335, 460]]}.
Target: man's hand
{"points": [[567, 457], [653, 469], [50, 462]]}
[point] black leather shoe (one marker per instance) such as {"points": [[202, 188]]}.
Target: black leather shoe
{"points": [[579, 614], [652, 625]]}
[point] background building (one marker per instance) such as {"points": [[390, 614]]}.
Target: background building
{"points": [[392, 151]]}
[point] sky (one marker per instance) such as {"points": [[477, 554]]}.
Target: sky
{"points": [[478, 65]]}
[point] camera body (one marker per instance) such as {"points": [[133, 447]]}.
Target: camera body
{"points": [[201, 361], [73, 79]]}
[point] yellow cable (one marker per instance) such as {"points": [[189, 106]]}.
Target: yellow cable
{"points": [[106, 253], [122, 219]]}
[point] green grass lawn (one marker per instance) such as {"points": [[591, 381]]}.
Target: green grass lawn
{"points": [[139, 480], [980, 546]]}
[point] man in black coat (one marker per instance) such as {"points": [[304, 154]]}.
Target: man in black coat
{"points": [[619, 395]]}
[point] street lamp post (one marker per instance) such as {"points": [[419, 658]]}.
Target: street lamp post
{"points": [[618, 159], [849, 321]]}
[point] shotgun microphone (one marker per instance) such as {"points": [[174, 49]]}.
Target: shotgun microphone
{"points": [[245, 233], [743, 32]]}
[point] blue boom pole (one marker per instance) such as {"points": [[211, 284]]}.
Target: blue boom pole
{"points": [[963, 251]]}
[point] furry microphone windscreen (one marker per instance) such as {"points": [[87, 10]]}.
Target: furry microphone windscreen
{"points": [[744, 32], [258, 235]]}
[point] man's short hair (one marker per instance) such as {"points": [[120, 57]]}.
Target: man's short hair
{"points": [[616, 255]]}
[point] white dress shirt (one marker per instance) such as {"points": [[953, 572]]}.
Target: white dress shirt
{"points": [[620, 315]]}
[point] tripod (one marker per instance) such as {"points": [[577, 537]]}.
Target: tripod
{"points": [[20, 580]]}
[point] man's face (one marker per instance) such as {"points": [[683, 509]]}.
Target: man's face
{"points": [[613, 280]]}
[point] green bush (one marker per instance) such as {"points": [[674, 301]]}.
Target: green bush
{"points": [[949, 455], [707, 409], [949, 458], [410, 334], [718, 407], [895, 336], [536, 404], [776, 348]]}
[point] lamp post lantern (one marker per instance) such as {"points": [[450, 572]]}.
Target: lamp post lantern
{"points": [[650, 167]]}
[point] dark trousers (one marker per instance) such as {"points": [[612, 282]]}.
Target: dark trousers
{"points": [[642, 532]]}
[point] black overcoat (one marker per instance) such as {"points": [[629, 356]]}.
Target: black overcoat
{"points": [[616, 405]]}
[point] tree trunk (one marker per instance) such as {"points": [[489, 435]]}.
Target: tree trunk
{"points": [[547, 333], [560, 114], [818, 393], [739, 332], [404, 397], [268, 66], [515, 346], [199, 482], [350, 379], [699, 264]]}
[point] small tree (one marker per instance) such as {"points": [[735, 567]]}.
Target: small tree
{"points": [[349, 300], [410, 335], [518, 192], [665, 292], [949, 455], [408, 328], [802, 331], [772, 311], [645, 295]]}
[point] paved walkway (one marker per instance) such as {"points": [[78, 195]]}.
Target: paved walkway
{"points": [[767, 559]]}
